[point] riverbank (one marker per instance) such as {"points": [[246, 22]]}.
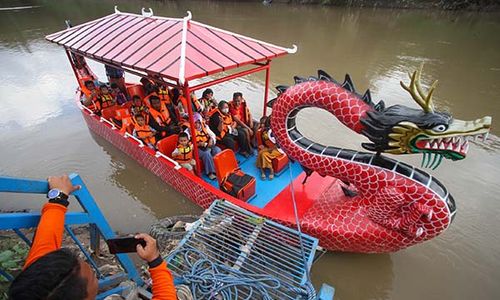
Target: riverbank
{"points": [[471, 5]]}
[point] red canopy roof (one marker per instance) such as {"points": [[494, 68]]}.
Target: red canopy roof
{"points": [[178, 49]]}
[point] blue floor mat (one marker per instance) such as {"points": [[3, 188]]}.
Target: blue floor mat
{"points": [[265, 190]]}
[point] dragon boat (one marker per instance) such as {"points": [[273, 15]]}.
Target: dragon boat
{"points": [[351, 201]]}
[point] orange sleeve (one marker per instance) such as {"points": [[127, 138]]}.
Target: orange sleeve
{"points": [[48, 236], [163, 283]]}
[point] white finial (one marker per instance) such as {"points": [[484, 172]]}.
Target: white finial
{"points": [[116, 10], [189, 16], [147, 14], [292, 50]]}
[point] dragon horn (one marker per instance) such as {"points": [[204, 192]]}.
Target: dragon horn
{"points": [[367, 97], [417, 93]]}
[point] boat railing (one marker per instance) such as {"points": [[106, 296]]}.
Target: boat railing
{"points": [[177, 166], [102, 119], [128, 135], [91, 215]]}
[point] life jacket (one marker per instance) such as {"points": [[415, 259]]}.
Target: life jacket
{"points": [[106, 101], [196, 106], [242, 112], [161, 117], [202, 135], [143, 132], [185, 154], [143, 109], [164, 96], [227, 121]]}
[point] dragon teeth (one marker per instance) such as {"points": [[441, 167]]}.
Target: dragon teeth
{"points": [[434, 145], [442, 146], [485, 136], [427, 145], [447, 140], [449, 147]]}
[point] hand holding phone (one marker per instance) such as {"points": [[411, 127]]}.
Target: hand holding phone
{"points": [[148, 252], [124, 244]]}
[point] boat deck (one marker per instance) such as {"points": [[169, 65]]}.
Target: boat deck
{"points": [[266, 190]]}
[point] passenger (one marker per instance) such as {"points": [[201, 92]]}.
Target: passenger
{"points": [[183, 109], [106, 99], [207, 101], [224, 127], [143, 131], [148, 85], [164, 94], [52, 272], [90, 93], [241, 114], [138, 107], [116, 76], [177, 100], [159, 119], [207, 148], [183, 154], [268, 150], [117, 94]]}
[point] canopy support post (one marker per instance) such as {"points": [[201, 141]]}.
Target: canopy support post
{"points": [[266, 88], [192, 127], [72, 65]]}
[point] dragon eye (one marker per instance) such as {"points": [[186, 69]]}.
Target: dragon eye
{"points": [[440, 128]]}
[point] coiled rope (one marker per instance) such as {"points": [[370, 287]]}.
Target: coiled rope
{"points": [[209, 280]]}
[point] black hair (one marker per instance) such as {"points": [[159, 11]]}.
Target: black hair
{"points": [[136, 97], [103, 86], [153, 98], [175, 95], [87, 82], [237, 94], [206, 92], [54, 276], [139, 115], [221, 104], [183, 135], [114, 85]]}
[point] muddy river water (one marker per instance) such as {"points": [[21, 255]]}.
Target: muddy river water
{"points": [[43, 133]]}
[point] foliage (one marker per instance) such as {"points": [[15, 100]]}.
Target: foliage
{"points": [[12, 255]]}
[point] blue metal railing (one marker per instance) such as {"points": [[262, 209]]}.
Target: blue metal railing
{"points": [[91, 215]]}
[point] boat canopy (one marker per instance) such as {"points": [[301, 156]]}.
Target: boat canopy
{"points": [[178, 49]]}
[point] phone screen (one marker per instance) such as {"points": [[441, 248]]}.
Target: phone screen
{"points": [[124, 244]]}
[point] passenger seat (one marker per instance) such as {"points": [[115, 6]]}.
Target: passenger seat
{"points": [[231, 179]]}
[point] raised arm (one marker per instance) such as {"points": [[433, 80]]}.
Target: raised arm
{"points": [[163, 283], [48, 236]]}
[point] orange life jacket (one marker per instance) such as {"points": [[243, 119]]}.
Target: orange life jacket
{"points": [[106, 101], [161, 117], [143, 133], [164, 95], [242, 112], [185, 154], [227, 121], [202, 136], [195, 104]]}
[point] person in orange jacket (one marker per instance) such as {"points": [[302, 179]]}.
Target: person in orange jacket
{"points": [[52, 272]]}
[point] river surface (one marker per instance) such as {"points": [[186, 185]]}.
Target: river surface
{"points": [[42, 131]]}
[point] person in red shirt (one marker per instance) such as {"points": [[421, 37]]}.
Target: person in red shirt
{"points": [[55, 273], [241, 115]]}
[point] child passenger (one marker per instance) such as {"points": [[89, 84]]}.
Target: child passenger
{"points": [[117, 94], [143, 131], [268, 150], [183, 154]]}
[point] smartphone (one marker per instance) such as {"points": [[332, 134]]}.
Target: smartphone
{"points": [[124, 244]]}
